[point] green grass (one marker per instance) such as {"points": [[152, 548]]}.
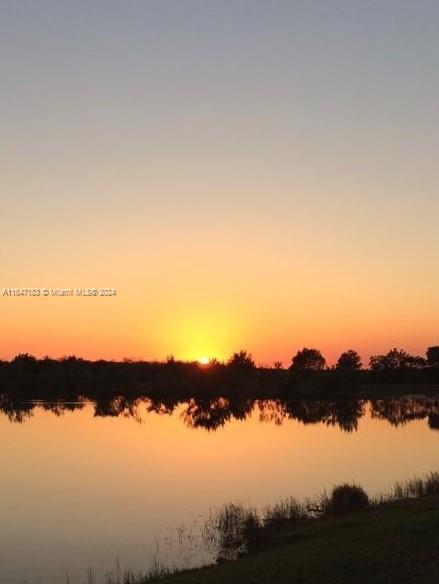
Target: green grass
{"points": [[395, 542]]}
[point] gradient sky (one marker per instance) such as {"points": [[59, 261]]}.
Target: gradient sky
{"points": [[247, 174]]}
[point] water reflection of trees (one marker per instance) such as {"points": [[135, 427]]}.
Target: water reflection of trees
{"points": [[15, 412], [401, 411], [213, 413], [135, 408], [344, 414]]}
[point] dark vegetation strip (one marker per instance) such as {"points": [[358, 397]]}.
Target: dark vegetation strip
{"points": [[30, 378]]}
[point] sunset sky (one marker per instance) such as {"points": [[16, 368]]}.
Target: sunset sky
{"points": [[246, 174]]}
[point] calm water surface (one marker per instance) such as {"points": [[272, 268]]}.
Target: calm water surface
{"points": [[88, 485]]}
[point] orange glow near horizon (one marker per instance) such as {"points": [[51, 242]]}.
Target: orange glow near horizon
{"points": [[236, 196], [131, 326]]}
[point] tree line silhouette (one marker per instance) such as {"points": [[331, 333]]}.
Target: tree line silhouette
{"points": [[307, 374]]}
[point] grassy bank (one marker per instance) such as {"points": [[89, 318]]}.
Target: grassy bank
{"points": [[393, 542], [343, 536]]}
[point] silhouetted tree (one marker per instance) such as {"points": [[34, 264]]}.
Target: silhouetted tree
{"points": [[396, 360], [433, 421], [349, 361], [308, 360], [418, 362], [24, 359], [433, 356], [241, 360]]}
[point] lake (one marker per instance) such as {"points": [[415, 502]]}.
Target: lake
{"points": [[89, 485]]}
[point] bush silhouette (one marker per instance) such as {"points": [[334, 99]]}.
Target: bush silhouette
{"points": [[347, 498]]}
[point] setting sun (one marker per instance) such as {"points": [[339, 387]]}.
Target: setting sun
{"points": [[204, 360]]}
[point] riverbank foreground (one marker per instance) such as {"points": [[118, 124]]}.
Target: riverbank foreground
{"points": [[394, 542]]}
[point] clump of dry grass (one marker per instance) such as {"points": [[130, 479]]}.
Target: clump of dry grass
{"points": [[287, 509], [416, 487]]}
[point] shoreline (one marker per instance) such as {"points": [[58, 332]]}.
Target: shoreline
{"points": [[340, 537], [395, 542]]}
